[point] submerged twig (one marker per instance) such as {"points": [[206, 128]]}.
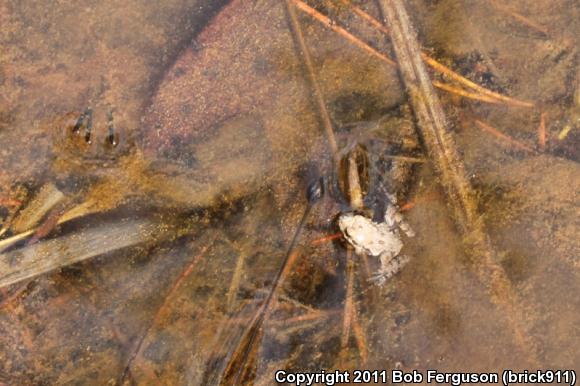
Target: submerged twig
{"points": [[40, 258], [432, 125], [403, 158], [326, 239], [521, 18], [237, 363], [512, 141], [486, 95], [47, 198], [360, 338], [316, 90], [466, 94], [236, 279], [84, 209], [348, 301], [12, 202], [542, 132], [474, 86], [354, 187], [350, 319], [342, 32], [411, 204], [316, 315], [564, 132], [162, 309]]}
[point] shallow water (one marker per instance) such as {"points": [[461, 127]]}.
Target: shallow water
{"points": [[219, 136]]}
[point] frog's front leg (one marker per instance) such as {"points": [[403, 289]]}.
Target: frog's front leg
{"points": [[390, 266]]}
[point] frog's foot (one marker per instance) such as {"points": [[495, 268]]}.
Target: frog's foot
{"points": [[394, 218], [389, 269]]}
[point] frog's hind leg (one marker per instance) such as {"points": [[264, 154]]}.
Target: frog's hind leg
{"points": [[389, 268], [394, 219]]}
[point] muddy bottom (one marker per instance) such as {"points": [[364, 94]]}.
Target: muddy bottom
{"points": [[150, 195]]}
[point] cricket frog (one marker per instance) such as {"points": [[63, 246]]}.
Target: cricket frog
{"points": [[382, 240], [384, 163]]}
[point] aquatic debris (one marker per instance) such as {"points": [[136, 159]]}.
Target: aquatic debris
{"points": [[326, 239], [351, 319], [463, 93], [45, 200], [11, 202], [521, 18], [564, 132], [315, 191], [512, 141], [316, 90], [486, 95], [342, 32], [429, 196], [468, 83], [162, 309], [40, 258], [542, 132], [439, 143], [90, 206], [237, 367]]}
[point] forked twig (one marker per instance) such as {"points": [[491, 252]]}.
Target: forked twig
{"points": [[487, 95], [458, 78], [442, 69], [464, 93], [342, 32]]}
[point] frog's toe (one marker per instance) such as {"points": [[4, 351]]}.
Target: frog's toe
{"points": [[112, 138], [92, 135], [89, 126], [378, 279], [84, 125]]}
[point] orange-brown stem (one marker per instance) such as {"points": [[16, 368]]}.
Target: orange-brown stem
{"points": [[504, 137]]}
